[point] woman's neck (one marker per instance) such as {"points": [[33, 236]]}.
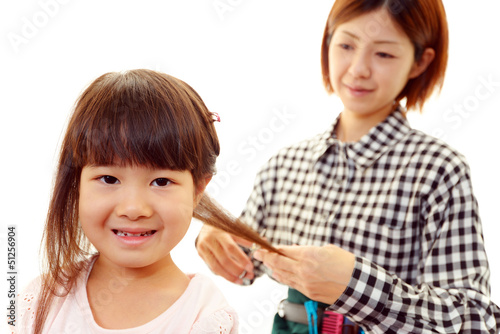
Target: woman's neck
{"points": [[352, 126]]}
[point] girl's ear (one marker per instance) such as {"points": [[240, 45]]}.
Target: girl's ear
{"points": [[200, 189], [420, 66]]}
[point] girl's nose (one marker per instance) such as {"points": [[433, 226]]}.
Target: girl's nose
{"points": [[134, 205], [360, 65]]}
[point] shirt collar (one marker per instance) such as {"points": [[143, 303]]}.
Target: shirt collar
{"points": [[371, 146], [324, 141]]}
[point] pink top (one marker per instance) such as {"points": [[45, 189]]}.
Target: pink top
{"points": [[201, 309]]}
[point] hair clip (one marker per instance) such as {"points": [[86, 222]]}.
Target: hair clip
{"points": [[215, 117]]}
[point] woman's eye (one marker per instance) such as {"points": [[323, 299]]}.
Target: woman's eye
{"points": [[161, 182], [108, 179], [345, 46], [384, 55]]}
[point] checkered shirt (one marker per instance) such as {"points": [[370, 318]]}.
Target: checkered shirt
{"points": [[402, 202]]}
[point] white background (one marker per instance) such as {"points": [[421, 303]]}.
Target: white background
{"points": [[256, 63]]}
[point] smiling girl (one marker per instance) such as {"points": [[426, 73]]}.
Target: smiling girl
{"points": [[138, 153]]}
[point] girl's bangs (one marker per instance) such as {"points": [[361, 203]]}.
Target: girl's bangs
{"points": [[134, 123], [125, 136]]}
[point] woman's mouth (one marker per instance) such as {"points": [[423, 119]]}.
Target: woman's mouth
{"points": [[358, 91]]}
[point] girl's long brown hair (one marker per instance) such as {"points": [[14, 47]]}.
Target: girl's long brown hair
{"points": [[138, 117], [210, 212]]}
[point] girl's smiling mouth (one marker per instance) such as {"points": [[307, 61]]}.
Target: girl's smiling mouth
{"points": [[121, 233]]}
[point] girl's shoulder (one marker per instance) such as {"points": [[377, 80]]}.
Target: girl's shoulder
{"points": [[222, 321], [215, 315], [26, 303]]}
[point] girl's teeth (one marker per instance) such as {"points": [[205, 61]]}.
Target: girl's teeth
{"points": [[127, 234]]}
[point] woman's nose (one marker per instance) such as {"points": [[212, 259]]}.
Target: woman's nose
{"points": [[360, 65]]}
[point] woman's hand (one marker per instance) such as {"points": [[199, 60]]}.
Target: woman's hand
{"points": [[320, 273], [224, 257]]}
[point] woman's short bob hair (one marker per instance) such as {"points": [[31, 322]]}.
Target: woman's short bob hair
{"points": [[425, 24]]}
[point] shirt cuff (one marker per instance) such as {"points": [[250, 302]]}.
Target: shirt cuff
{"points": [[367, 293]]}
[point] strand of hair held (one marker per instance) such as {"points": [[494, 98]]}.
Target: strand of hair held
{"points": [[211, 213]]}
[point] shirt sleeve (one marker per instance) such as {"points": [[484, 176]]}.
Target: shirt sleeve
{"points": [[452, 294], [220, 322]]}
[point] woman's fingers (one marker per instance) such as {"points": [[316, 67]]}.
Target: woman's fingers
{"points": [[321, 273], [223, 255]]}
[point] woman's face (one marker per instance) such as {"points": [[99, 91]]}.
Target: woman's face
{"points": [[370, 61]]}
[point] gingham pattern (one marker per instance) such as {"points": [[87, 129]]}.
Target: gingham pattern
{"points": [[402, 202]]}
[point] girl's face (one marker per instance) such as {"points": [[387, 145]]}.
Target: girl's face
{"points": [[134, 216], [370, 61]]}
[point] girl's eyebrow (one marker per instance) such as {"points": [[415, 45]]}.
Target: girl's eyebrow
{"points": [[100, 165], [356, 37], [116, 165]]}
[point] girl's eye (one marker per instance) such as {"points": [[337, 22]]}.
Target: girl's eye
{"points": [[108, 179], [161, 182]]}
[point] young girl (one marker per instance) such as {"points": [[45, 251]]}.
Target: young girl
{"points": [[138, 153], [378, 221]]}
